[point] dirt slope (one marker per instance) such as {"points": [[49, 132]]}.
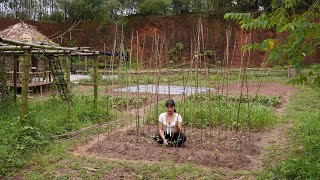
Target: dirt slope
{"points": [[171, 28]]}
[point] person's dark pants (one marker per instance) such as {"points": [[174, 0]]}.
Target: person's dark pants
{"points": [[177, 139]]}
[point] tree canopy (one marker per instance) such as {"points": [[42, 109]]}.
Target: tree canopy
{"points": [[70, 10], [298, 34], [297, 25]]}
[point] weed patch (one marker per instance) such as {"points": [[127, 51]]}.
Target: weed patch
{"points": [[232, 112], [302, 160], [45, 119]]}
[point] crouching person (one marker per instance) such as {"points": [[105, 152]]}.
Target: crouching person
{"points": [[170, 127]]}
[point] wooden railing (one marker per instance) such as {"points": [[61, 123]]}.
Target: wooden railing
{"points": [[43, 76]]}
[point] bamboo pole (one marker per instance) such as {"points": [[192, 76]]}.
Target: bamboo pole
{"points": [[86, 64], [226, 76], [158, 62], [137, 93], [130, 72], [191, 99], [3, 80], [153, 58], [145, 87], [211, 118], [105, 69], [19, 43], [112, 74], [14, 48], [150, 68], [170, 76], [183, 100], [219, 77], [123, 59], [24, 93], [107, 74], [50, 52], [119, 38], [200, 41], [127, 85], [95, 83], [223, 78], [247, 88], [206, 76], [15, 78], [69, 100], [241, 80], [208, 89]]}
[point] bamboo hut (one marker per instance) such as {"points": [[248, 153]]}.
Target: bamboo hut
{"points": [[22, 43], [40, 78]]}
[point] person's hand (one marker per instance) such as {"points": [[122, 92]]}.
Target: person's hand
{"points": [[165, 142]]}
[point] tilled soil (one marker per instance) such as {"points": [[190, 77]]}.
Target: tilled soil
{"points": [[230, 150], [266, 88]]}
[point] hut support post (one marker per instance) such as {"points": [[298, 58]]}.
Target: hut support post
{"points": [[85, 64], [69, 100], [25, 82], [3, 79], [95, 82], [15, 78]]}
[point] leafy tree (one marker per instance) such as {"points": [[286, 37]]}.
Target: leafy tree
{"points": [[101, 10], [181, 6], [73, 10], [299, 32], [251, 6], [84, 9], [130, 7], [148, 7]]}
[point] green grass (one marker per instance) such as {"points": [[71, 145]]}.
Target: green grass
{"points": [[302, 160]]}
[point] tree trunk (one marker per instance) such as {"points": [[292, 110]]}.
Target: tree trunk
{"points": [[65, 10], [25, 82]]}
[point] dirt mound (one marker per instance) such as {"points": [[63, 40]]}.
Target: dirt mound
{"points": [[206, 150]]}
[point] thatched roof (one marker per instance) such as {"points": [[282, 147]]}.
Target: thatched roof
{"points": [[26, 33]]}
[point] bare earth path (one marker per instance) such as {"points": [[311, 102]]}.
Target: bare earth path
{"points": [[232, 153]]}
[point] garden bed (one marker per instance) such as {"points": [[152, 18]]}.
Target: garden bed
{"points": [[235, 151], [217, 147]]}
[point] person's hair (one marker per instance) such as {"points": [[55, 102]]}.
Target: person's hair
{"points": [[170, 102]]}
